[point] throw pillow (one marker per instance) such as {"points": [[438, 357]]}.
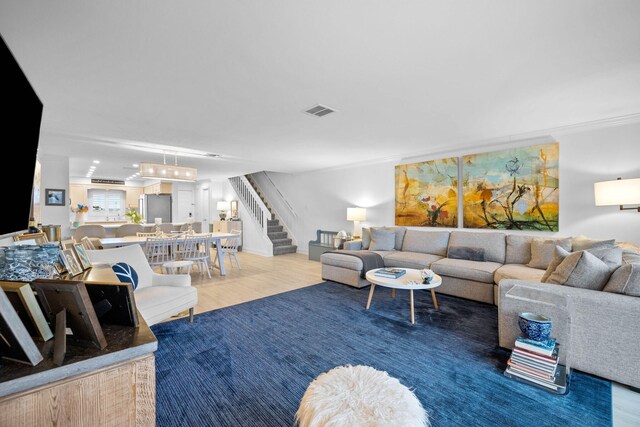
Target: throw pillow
{"points": [[625, 280], [581, 243], [382, 240], [581, 270], [518, 249], [542, 250], [400, 232], [559, 254], [126, 273], [366, 238], [612, 256], [467, 253]]}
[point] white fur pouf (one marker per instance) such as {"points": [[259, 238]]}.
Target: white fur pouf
{"points": [[359, 396]]}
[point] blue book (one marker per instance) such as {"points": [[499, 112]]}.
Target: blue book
{"points": [[540, 347]]}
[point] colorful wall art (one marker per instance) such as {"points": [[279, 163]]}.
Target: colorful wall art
{"points": [[427, 193], [515, 189]]}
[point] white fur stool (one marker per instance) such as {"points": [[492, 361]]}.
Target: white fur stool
{"points": [[359, 396]]}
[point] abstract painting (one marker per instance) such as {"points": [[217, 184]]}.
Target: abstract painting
{"points": [[514, 189], [427, 193]]}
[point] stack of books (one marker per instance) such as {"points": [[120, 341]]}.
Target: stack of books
{"points": [[392, 273], [536, 362]]}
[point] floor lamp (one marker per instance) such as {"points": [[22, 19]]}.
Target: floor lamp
{"points": [[356, 215]]}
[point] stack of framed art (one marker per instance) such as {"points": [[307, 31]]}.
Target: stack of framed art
{"points": [[512, 189], [73, 260]]}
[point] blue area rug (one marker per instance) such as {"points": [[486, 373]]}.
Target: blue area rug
{"points": [[249, 365]]}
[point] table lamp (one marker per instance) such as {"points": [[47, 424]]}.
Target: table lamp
{"points": [[356, 215], [223, 207]]}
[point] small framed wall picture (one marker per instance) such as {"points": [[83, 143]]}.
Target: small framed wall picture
{"points": [[70, 262], [54, 197], [81, 252]]}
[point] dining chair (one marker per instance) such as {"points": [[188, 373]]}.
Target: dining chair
{"points": [[159, 250], [230, 248], [196, 249], [129, 230]]}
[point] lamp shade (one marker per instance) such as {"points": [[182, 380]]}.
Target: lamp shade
{"points": [[222, 206], [356, 214], [617, 192]]}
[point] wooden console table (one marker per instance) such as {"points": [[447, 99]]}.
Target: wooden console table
{"points": [[114, 386]]}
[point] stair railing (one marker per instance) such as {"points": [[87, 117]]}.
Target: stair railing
{"points": [[252, 202], [280, 206]]}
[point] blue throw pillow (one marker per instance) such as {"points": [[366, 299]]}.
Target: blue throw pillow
{"points": [[126, 273]]}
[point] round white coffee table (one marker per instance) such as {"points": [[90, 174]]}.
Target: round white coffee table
{"points": [[403, 282]]}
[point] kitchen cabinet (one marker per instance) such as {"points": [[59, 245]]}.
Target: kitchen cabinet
{"points": [[78, 194], [159, 188], [133, 197]]}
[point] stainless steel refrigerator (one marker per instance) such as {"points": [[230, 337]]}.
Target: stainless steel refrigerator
{"points": [[154, 206]]}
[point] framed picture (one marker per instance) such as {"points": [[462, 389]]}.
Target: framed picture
{"points": [[24, 303], [54, 197], [15, 342], [81, 252], [59, 266], [72, 296], [70, 262], [39, 238]]}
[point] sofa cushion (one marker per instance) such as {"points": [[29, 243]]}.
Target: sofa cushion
{"points": [[518, 249], [580, 270], [518, 272], [340, 260], [625, 280], [382, 239], [415, 260], [426, 242], [366, 238], [464, 252], [542, 250], [400, 232], [464, 269], [580, 243], [611, 256], [493, 243]]}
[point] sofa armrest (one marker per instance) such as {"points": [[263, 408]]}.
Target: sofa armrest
{"points": [[182, 280], [353, 245], [604, 332]]}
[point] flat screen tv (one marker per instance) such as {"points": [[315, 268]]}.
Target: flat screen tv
{"points": [[20, 128]]}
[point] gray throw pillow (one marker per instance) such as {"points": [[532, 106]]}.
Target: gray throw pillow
{"points": [[581, 243], [581, 270], [542, 250], [382, 240], [611, 256], [518, 249], [399, 235], [464, 252], [625, 280], [366, 238]]}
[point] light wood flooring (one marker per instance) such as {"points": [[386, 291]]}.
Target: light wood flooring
{"points": [[261, 277]]}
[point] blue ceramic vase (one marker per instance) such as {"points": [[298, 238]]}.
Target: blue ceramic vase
{"points": [[535, 326]]}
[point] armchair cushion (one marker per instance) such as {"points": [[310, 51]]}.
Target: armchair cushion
{"points": [[179, 280]]}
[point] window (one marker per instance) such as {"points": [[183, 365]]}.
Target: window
{"points": [[106, 205]]}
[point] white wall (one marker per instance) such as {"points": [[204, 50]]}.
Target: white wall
{"points": [[55, 174], [321, 198]]}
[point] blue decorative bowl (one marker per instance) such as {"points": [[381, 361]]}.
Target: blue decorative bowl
{"points": [[535, 326]]}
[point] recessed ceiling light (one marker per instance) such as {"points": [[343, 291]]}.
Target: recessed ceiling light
{"points": [[135, 165], [137, 173], [96, 162]]}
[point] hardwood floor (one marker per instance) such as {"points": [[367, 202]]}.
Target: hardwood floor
{"points": [[261, 277]]}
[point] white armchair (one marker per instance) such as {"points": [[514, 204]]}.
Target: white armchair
{"points": [[158, 296]]}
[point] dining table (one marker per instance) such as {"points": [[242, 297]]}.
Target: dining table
{"points": [[216, 237]]}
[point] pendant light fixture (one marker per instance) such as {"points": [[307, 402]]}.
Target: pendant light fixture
{"points": [[167, 172]]}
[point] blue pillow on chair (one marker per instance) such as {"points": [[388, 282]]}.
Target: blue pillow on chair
{"points": [[126, 273]]}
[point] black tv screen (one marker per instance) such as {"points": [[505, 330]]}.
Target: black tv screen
{"points": [[21, 129]]}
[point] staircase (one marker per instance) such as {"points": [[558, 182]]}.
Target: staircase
{"points": [[278, 236]]}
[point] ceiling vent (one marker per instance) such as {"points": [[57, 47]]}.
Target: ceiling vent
{"points": [[320, 110]]}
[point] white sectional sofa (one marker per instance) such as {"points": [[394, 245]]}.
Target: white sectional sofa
{"points": [[605, 335]]}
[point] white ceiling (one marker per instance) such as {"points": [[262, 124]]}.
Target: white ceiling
{"points": [[233, 77]]}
